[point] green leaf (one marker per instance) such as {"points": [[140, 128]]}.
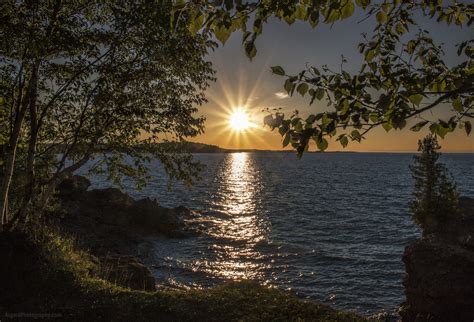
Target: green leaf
{"points": [[363, 3], [286, 139], [418, 126], [387, 126], [222, 34], [374, 117], [347, 10], [344, 141], [411, 46], [300, 12], [196, 24], [467, 127], [441, 131], [250, 49], [381, 17], [322, 144], [400, 29], [311, 119], [356, 135], [370, 54], [288, 85], [302, 88], [416, 99], [319, 94], [457, 104], [278, 70]]}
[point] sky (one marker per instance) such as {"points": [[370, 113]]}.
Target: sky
{"points": [[251, 87]]}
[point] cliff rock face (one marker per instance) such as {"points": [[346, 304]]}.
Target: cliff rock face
{"points": [[439, 284]]}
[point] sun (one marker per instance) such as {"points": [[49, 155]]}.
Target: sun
{"points": [[239, 120]]}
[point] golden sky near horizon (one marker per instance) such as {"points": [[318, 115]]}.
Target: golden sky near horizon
{"points": [[249, 86]]}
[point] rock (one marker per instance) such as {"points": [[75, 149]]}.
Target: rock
{"points": [[74, 187], [112, 207], [439, 284], [127, 271], [151, 216]]}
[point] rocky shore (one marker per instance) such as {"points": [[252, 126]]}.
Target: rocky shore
{"points": [[439, 283], [110, 225]]}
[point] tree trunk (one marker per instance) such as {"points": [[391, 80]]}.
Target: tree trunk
{"points": [[33, 140], [12, 146], [10, 164]]}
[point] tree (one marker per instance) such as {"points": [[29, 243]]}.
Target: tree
{"points": [[94, 82], [403, 74], [435, 196]]}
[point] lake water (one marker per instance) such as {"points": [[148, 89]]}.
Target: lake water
{"points": [[330, 227]]}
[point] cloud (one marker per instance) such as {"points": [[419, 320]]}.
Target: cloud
{"points": [[281, 95]]}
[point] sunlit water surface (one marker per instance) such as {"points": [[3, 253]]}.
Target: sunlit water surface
{"points": [[330, 227]]}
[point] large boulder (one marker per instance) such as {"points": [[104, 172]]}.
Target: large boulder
{"points": [[109, 220], [439, 284]]}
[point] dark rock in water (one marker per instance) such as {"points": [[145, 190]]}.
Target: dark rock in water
{"points": [[127, 271], [109, 220], [439, 284], [74, 187], [150, 215]]}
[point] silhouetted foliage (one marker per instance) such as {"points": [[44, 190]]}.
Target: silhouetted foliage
{"points": [[97, 83], [403, 72], [435, 196]]}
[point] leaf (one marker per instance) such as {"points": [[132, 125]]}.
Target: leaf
{"points": [[322, 144], [356, 135], [288, 85], [467, 127], [196, 25], [363, 3], [347, 10], [311, 119], [314, 19], [286, 139], [457, 104], [416, 99], [441, 131], [374, 117], [222, 34], [418, 126], [387, 126], [411, 46], [344, 141], [268, 120], [300, 12], [302, 88], [370, 54], [250, 49], [319, 94], [381, 17], [278, 70]]}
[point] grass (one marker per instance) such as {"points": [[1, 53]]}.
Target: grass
{"points": [[60, 280]]}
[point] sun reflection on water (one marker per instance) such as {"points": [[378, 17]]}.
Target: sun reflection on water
{"points": [[242, 225]]}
